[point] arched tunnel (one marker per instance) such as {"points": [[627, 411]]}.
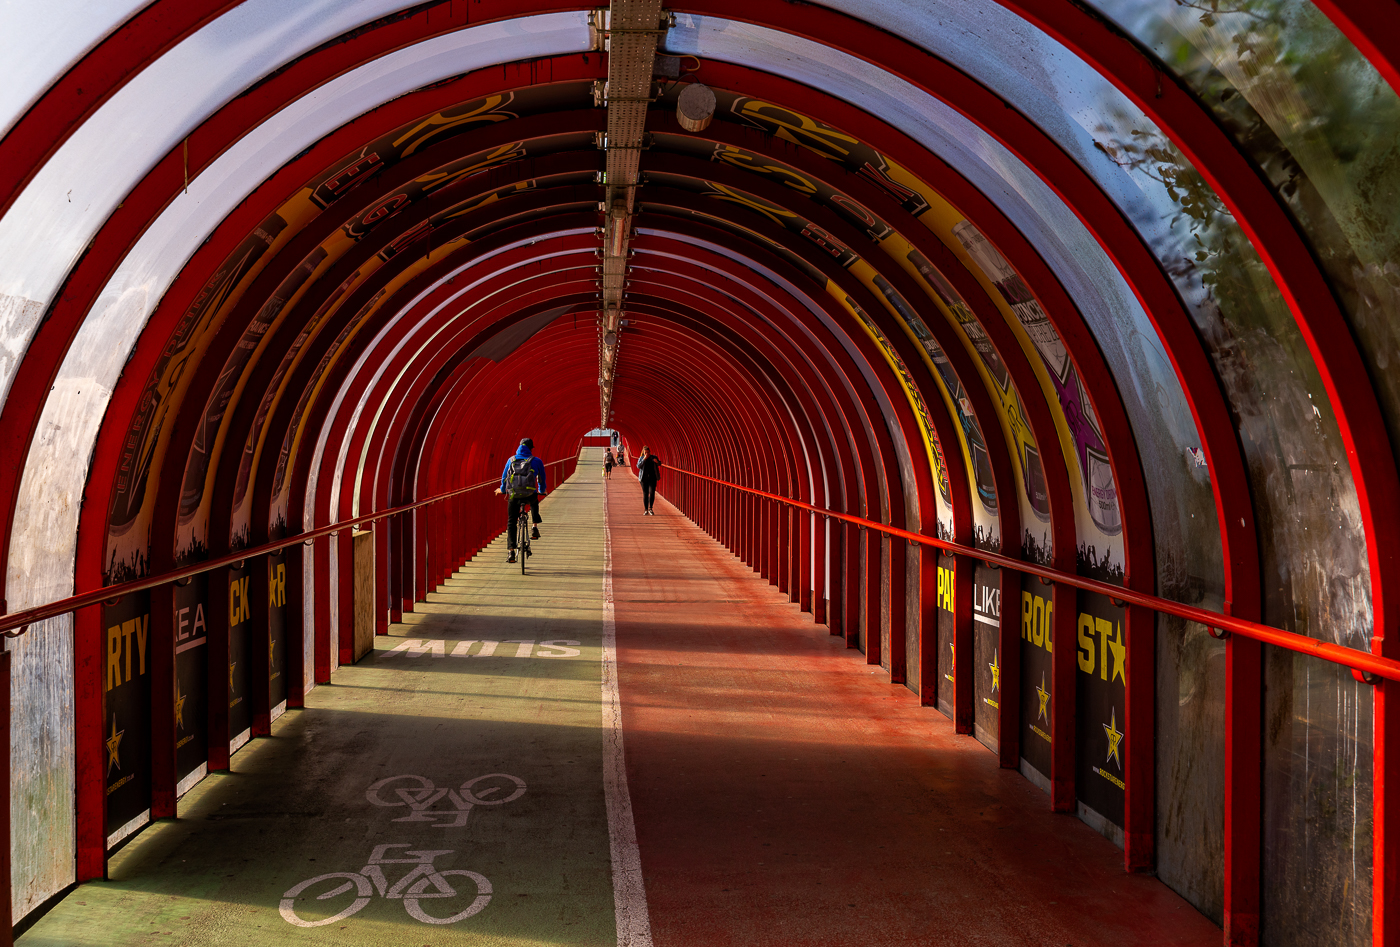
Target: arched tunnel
{"points": [[997, 356]]}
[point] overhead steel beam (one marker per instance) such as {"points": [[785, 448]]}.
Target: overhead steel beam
{"points": [[628, 31]]}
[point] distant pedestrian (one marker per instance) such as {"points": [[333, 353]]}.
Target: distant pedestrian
{"points": [[608, 464], [648, 472]]}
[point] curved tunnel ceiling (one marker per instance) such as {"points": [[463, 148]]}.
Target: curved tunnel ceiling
{"points": [[992, 272]]}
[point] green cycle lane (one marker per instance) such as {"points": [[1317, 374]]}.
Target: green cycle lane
{"points": [[465, 755]]}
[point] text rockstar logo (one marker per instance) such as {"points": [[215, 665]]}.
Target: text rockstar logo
{"points": [[1110, 730], [179, 707], [114, 743]]}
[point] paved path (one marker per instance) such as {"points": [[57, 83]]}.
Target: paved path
{"points": [[784, 792], [295, 805]]}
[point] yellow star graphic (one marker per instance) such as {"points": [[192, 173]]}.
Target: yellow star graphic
{"points": [[1110, 730], [1044, 696], [996, 671], [114, 743], [179, 707], [231, 666], [1119, 650]]}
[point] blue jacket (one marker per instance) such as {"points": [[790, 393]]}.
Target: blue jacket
{"points": [[534, 462]]}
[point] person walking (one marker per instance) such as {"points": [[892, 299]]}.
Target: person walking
{"points": [[648, 472], [608, 463], [522, 482]]}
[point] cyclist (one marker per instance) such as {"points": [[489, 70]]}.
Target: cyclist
{"points": [[522, 482]]}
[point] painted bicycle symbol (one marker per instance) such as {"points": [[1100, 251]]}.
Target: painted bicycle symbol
{"points": [[424, 882], [420, 795]]}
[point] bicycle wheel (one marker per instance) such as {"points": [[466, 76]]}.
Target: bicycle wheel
{"points": [[442, 889], [522, 537], [298, 893]]}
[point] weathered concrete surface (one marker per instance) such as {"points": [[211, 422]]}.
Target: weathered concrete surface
{"points": [[786, 793], [295, 805]]}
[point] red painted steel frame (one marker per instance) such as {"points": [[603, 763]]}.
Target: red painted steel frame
{"points": [[1383, 852], [20, 412], [822, 169], [944, 426], [88, 634], [90, 82], [818, 401], [721, 262], [681, 263], [1198, 382], [716, 264], [896, 576], [1370, 25], [908, 426], [1351, 658]]}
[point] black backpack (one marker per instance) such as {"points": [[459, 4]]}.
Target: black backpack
{"points": [[520, 478]]}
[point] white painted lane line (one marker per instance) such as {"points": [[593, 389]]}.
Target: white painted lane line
{"points": [[629, 892], [416, 647]]}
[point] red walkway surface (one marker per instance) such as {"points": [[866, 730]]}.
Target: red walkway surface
{"points": [[786, 793]]}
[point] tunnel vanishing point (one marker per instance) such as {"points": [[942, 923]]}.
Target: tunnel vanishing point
{"points": [[1026, 380]]}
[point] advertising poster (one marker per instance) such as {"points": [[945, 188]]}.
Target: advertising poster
{"points": [[126, 729], [1099, 698], [277, 627], [986, 662], [945, 635], [191, 624], [240, 657], [1036, 680]]}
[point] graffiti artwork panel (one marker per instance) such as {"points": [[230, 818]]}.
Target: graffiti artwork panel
{"points": [[240, 654], [143, 450], [1099, 521], [1100, 744], [126, 723], [191, 624], [277, 627], [1036, 677], [147, 440], [986, 659], [945, 635]]}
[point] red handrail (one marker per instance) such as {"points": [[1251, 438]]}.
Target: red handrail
{"points": [[22, 619], [1357, 661]]}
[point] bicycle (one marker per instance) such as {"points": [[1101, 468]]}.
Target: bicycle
{"points": [[522, 535], [423, 882]]}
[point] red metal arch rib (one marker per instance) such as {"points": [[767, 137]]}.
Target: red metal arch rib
{"points": [[1370, 25], [81, 91], [158, 28], [19, 414]]}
